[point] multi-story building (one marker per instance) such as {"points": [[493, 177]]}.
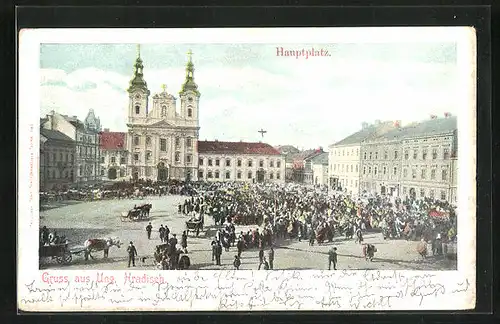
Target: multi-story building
{"points": [[57, 160], [320, 169], [417, 161], [113, 154], [161, 141], [345, 157], [86, 137], [308, 166], [429, 150], [380, 163], [240, 161]]}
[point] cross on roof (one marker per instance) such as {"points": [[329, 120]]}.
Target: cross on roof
{"points": [[262, 132], [163, 87]]}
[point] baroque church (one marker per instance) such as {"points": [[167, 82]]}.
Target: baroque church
{"points": [[161, 141]]}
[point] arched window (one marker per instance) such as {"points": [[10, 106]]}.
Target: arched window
{"points": [[190, 112], [137, 109], [163, 111]]}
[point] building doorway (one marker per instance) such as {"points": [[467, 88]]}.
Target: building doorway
{"points": [[162, 172], [188, 175], [382, 190], [260, 175], [135, 174], [112, 174]]}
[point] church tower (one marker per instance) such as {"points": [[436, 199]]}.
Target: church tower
{"points": [[138, 93], [189, 95]]}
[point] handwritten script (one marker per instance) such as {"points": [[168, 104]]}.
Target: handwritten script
{"points": [[244, 290]]}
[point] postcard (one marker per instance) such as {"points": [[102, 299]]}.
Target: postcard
{"points": [[247, 169]]}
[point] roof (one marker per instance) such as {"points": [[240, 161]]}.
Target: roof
{"points": [[287, 149], [423, 128], [320, 158], [363, 134], [216, 147], [112, 140], [55, 135]]}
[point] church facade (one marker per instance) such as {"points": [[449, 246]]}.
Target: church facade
{"points": [[162, 141]]}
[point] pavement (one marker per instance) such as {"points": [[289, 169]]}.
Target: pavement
{"points": [[101, 219]]}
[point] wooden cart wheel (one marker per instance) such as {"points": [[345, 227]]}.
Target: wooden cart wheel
{"points": [[60, 259]]}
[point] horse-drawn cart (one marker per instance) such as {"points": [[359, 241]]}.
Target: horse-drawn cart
{"points": [[59, 252], [137, 214], [194, 226]]}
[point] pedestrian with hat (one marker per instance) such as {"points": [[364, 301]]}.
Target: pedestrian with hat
{"points": [[132, 253]]}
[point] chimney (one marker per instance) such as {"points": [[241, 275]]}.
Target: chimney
{"points": [[433, 116], [447, 114], [106, 130], [364, 125], [75, 117], [397, 123]]}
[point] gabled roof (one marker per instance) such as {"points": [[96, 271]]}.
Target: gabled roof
{"points": [[216, 147], [112, 140], [321, 158], [55, 135], [423, 128], [287, 149], [364, 134]]}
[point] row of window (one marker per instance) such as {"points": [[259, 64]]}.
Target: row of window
{"points": [[423, 174], [163, 142], [239, 175], [66, 174], [346, 183], [113, 159], [346, 152], [177, 158], [424, 154], [63, 157], [345, 168], [163, 111], [239, 163], [432, 193], [87, 150], [368, 170], [87, 139]]}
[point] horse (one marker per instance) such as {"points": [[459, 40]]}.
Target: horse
{"points": [[99, 245]]}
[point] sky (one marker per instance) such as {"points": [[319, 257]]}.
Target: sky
{"points": [[307, 103]]}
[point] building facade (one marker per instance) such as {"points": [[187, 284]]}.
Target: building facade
{"points": [[429, 150], [415, 161], [57, 160], [114, 155], [319, 166], [345, 157], [162, 142], [86, 137], [240, 161], [381, 164]]}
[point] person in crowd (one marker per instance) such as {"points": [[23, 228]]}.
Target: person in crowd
{"points": [[132, 253], [149, 228], [162, 233], [271, 258], [237, 262], [184, 242], [332, 258]]}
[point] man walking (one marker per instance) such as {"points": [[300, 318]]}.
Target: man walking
{"points": [[261, 257], [332, 258], [271, 258], [240, 246], [132, 253], [166, 233], [149, 228], [162, 233], [218, 253]]}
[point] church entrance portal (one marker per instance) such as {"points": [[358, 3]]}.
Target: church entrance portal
{"points": [[112, 174], [260, 176], [162, 172], [135, 174]]}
